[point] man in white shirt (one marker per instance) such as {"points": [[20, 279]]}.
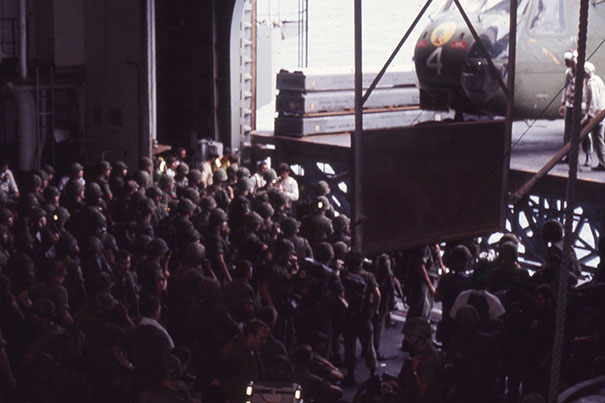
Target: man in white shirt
{"points": [[480, 280], [151, 311], [595, 103], [495, 307], [7, 180], [258, 179], [566, 109], [286, 183]]}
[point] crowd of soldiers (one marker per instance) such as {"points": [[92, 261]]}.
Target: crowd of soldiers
{"points": [[187, 284]]}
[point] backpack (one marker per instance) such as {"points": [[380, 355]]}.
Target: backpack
{"points": [[355, 290]]}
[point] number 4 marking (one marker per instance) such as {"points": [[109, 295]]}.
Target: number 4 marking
{"points": [[434, 60]]}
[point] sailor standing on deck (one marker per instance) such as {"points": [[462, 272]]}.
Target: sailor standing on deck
{"points": [[595, 103], [566, 109]]}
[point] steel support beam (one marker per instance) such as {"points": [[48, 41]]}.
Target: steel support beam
{"points": [[148, 78], [572, 184], [356, 211], [510, 101]]}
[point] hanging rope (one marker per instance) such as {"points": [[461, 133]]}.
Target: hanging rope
{"points": [[557, 349]]}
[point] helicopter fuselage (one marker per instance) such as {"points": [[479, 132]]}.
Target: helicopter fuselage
{"points": [[454, 74]]}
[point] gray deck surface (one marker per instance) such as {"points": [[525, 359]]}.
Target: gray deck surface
{"points": [[536, 147], [532, 148]]}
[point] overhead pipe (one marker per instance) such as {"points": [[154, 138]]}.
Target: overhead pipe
{"points": [[26, 126], [23, 40]]}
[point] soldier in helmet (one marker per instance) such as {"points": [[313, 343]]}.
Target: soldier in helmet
{"points": [[219, 249], [156, 195], [143, 218], [506, 273], [459, 261], [76, 173], [118, 177], [270, 178], [279, 201], [196, 180], [322, 189], [243, 172], [104, 172], [167, 185], [342, 232], [51, 196], [73, 196], [67, 250], [93, 260], [335, 302], [93, 196], [54, 290], [270, 230], [50, 171], [43, 236], [240, 205], [289, 231], [125, 288], [252, 247], [240, 297], [200, 220], [552, 236], [180, 178], [363, 298], [185, 231], [44, 176], [316, 227], [422, 376], [33, 184], [146, 164], [220, 191], [153, 272], [191, 194], [57, 220], [143, 179], [277, 287]]}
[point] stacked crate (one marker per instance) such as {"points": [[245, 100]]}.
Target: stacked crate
{"points": [[313, 102]]}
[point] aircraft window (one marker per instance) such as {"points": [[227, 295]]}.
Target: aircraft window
{"points": [[549, 18]]}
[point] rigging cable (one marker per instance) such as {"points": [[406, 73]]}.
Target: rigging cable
{"points": [[557, 348]]}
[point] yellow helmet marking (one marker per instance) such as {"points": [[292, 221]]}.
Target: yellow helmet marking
{"points": [[443, 33]]}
